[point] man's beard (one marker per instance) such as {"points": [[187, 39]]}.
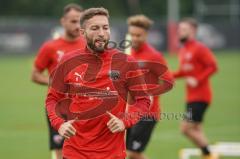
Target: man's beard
{"points": [[183, 39], [137, 45], [91, 45], [71, 35]]}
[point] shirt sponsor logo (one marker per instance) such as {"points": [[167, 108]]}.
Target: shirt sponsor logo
{"points": [[77, 76], [60, 54], [188, 56], [187, 67]]}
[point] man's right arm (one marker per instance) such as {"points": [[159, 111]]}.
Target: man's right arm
{"points": [[57, 91], [140, 100], [53, 97], [39, 77], [64, 128], [179, 73], [42, 62]]}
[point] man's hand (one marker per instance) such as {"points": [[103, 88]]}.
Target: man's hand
{"points": [[115, 124], [67, 130], [192, 82]]}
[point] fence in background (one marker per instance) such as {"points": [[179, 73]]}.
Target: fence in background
{"points": [[25, 36]]}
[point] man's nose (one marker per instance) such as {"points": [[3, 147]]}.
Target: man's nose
{"points": [[101, 32], [134, 38], [78, 26]]}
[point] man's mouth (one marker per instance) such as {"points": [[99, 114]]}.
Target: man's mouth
{"points": [[76, 31], [100, 42]]}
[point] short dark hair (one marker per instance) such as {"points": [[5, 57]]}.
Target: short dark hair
{"points": [[193, 22], [72, 6], [141, 21], [91, 12]]}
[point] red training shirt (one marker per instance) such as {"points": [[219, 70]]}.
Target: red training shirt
{"points": [[198, 61], [94, 92], [147, 53], [52, 51]]}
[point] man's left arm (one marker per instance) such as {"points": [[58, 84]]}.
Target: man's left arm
{"points": [[140, 102], [208, 60], [167, 76]]}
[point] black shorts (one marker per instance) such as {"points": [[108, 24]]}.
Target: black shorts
{"points": [[139, 135], [55, 140], [195, 111]]}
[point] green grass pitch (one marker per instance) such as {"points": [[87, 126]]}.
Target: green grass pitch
{"points": [[23, 128]]}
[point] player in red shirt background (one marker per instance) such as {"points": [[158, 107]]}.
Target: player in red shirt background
{"points": [[197, 65], [49, 56], [139, 135]]}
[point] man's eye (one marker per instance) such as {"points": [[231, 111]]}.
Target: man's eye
{"points": [[105, 27], [94, 28]]}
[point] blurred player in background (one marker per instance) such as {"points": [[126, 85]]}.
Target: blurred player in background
{"points": [[100, 136], [51, 53], [139, 135], [197, 65]]}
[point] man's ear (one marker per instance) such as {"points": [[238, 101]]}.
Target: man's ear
{"points": [[62, 21], [82, 32], [146, 35]]}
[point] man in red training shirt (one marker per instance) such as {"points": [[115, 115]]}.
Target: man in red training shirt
{"points": [[89, 90], [197, 65], [87, 96], [49, 56], [139, 135]]}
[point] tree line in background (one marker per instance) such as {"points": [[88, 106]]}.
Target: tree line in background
{"points": [[117, 8]]}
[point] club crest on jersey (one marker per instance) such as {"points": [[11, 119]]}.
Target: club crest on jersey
{"points": [[60, 54], [114, 74]]}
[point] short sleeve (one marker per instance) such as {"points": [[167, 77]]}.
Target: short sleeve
{"points": [[43, 60]]}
